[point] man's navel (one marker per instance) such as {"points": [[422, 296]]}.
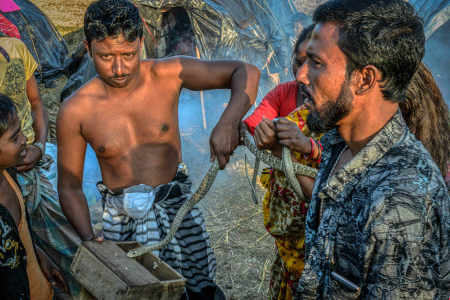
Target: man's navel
{"points": [[165, 127]]}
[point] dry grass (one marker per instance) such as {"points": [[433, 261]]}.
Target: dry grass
{"points": [[242, 245], [66, 15]]}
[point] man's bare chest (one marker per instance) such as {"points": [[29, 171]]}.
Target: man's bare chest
{"points": [[116, 130]]}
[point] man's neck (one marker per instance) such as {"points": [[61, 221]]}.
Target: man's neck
{"points": [[362, 126]]}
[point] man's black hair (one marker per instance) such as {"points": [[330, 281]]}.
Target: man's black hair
{"points": [[105, 18], [385, 33], [7, 113]]}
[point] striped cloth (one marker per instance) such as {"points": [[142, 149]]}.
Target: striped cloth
{"points": [[144, 214]]}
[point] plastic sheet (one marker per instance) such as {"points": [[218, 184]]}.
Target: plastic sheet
{"points": [[44, 42]]}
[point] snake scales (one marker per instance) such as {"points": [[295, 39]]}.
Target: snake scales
{"points": [[285, 164]]}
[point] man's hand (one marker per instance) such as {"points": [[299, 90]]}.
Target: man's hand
{"points": [[51, 271], [33, 155], [291, 136], [224, 139], [98, 232], [265, 135]]}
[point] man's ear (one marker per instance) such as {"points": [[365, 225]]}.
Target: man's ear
{"points": [[86, 45], [366, 78]]}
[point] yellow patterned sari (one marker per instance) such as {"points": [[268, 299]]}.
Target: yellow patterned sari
{"points": [[284, 218]]}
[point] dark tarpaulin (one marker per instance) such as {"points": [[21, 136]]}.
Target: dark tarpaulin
{"points": [[42, 40], [246, 30]]}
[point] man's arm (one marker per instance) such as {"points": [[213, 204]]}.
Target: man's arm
{"points": [[241, 78], [71, 152]]}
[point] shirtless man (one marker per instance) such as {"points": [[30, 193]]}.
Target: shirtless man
{"points": [[129, 115]]}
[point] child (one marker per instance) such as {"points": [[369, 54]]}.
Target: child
{"points": [[24, 269]]}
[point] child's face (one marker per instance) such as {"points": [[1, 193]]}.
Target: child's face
{"points": [[12, 145]]}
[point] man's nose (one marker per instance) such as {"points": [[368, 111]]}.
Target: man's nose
{"points": [[302, 74], [118, 66]]}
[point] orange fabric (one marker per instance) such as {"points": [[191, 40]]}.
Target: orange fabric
{"points": [[40, 288]]}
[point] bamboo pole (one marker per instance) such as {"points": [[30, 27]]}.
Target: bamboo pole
{"points": [[202, 101]]}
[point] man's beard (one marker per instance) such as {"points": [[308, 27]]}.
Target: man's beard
{"points": [[331, 112]]}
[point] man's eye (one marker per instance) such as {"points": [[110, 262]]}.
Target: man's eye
{"points": [[315, 63], [300, 62], [106, 56]]}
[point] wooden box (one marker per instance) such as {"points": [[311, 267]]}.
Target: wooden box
{"points": [[106, 272]]}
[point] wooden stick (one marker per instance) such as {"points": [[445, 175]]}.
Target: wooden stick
{"points": [[202, 101]]}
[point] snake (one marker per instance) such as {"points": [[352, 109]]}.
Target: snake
{"points": [[284, 164]]}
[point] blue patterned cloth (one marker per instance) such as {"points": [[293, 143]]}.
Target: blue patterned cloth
{"points": [[48, 225], [379, 227]]}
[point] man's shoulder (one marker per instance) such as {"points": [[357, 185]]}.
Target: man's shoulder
{"points": [[410, 152], [82, 99], [407, 169], [162, 67]]}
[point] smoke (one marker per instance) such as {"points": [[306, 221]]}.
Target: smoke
{"points": [[438, 60]]}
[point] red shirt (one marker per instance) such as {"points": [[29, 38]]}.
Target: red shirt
{"points": [[279, 102]]}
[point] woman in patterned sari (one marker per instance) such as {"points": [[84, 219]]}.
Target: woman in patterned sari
{"points": [[284, 211]]}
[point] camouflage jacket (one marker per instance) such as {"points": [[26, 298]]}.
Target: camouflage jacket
{"points": [[379, 228]]}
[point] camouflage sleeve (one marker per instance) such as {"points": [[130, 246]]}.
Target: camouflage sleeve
{"points": [[407, 251]]}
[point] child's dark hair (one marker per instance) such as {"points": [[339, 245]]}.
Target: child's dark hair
{"points": [[7, 113]]}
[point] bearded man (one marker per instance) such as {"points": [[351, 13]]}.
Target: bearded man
{"points": [[378, 222]]}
